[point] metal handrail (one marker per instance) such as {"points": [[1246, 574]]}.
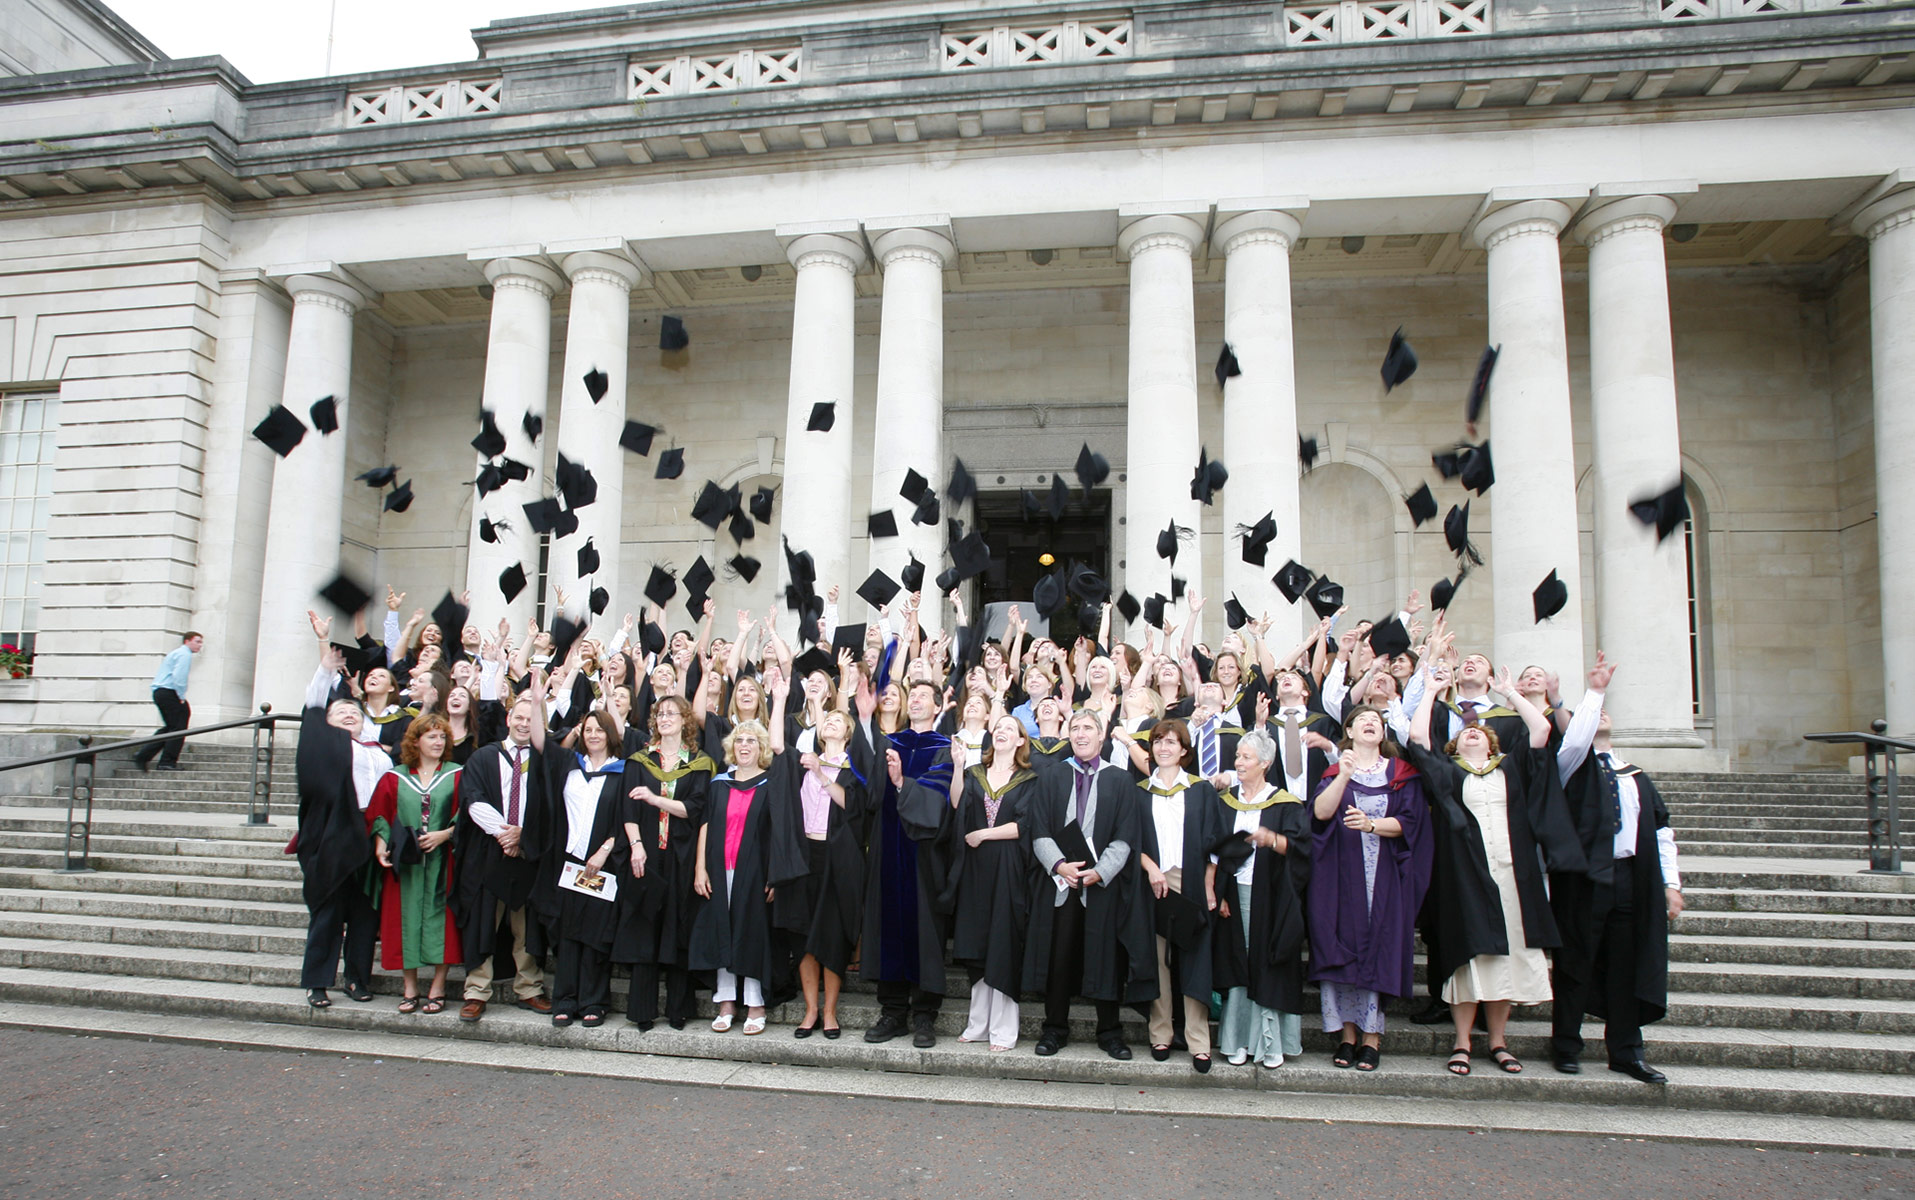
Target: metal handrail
{"points": [[80, 777], [1884, 806]]}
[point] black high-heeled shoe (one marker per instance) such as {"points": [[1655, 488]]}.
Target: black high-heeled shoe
{"points": [[832, 1033], [804, 1031], [1345, 1054]]}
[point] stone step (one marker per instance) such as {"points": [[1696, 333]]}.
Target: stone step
{"points": [[1819, 927], [1758, 833], [1803, 1091], [245, 891], [1833, 954], [282, 805], [279, 867], [1794, 900], [109, 842], [1805, 850], [110, 908], [1753, 874], [214, 826], [187, 935], [1770, 979]]}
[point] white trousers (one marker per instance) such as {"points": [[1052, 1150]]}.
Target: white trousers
{"points": [[993, 1015], [727, 989]]}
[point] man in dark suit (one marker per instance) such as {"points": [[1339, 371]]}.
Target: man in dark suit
{"points": [[500, 797]]}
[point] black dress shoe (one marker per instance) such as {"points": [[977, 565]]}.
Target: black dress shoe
{"points": [[677, 1022], [832, 1033], [641, 1026], [1569, 1066], [804, 1031], [1639, 1070], [925, 1035], [1050, 1043], [887, 1028], [1434, 1013], [1115, 1048]]}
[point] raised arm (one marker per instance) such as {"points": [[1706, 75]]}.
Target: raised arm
{"points": [[1426, 704], [1533, 718]]}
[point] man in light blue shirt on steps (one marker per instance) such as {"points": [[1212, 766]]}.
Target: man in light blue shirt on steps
{"points": [[169, 696]]}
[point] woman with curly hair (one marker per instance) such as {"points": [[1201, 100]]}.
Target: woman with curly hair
{"points": [[411, 817]]}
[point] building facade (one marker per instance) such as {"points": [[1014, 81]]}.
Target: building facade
{"points": [[996, 232]]}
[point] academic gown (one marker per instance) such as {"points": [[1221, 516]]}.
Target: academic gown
{"points": [[1446, 721], [487, 876], [1270, 968], [735, 932], [824, 912], [1315, 761], [1467, 909], [909, 862], [1204, 828], [391, 728], [568, 915], [416, 925], [1369, 944], [332, 843], [1592, 812], [655, 912], [1048, 754], [995, 881], [1120, 948]]}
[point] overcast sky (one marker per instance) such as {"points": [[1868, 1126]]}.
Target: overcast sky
{"points": [[286, 39]]}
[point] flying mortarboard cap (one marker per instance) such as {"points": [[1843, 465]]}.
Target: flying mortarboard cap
{"points": [[513, 469], [651, 638], [970, 556], [1048, 596], [962, 487], [1456, 533], [695, 603], [1167, 543], [1154, 611], [1033, 507], [346, 594], [699, 577], [1233, 613], [878, 589], [490, 480], [1325, 597], [489, 530], [661, 587], [671, 464], [379, 476], [1128, 606], [565, 633], [1177, 586], [1227, 366], [1293, 579], [1479, 386], [745, 566], [637, 437], [671, 334], [1089, 616], [1422, 505], [824, 414], [742, 530], [325, 414], [947, 579], [1477, 472], [848, 637], [533, 424], [1307, 451], [512, 582], [953, 530], [1092, 469], [450, 616], [1087, 585], [1257, 539], [1448, 463], [1444, 591], [542, 514], [599, 601], [596, 384], [1399, 361], [1549, 597], [566, 523], [815, 659], [914, 486], [281, 430], [927, 510], [760, 504], [800, 565], [575, 483], [1210, 477], [709, 509], [399, 499], [489, 442], [881, 524], [912, 576], [1059, 498], [1665, 512], [588, 562], [1389, 638]]}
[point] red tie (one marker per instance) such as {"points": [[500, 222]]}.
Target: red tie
{"points": [[512, 801]]}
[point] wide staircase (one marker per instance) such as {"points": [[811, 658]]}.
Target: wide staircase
{"points": [[1792, 975]]}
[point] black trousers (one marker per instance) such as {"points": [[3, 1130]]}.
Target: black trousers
{"points": [[175, 713], [1611, 944], [897, 997], [348, 912], [582, 980], [641, 1003], [1066, 975]]}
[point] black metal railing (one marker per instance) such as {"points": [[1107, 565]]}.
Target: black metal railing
{"points": [[80, 764], [1884, 810]]}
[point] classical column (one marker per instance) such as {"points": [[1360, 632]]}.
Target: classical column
{"points": [[518, 365], [816, 496], [1260, 408], [1889, 225], [304, 523], [909, 431], [1641, 588], [1533, 507], [597, 335], [1161, 441]]}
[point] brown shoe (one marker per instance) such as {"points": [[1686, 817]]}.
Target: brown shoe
{"points": [[538, 1004], [473, 1010]]}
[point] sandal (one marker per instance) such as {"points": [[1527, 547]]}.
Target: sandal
{"points": [[434, 1005], [561, 1020], [754, 1025], [1369, 1058], [1459, 1062], [409, 1005], [318, 999], [1345, 1055], [358, 993], [721, 1023], [592, 1020], [1504, 1059]]}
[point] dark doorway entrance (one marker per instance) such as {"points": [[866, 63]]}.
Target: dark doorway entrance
{"points": [[1018, 546]]}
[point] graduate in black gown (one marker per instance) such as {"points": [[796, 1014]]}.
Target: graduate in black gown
{"points": [[1183, 823], [666, 781], [1050, 747], [337, 773], [995, 879], [585, 869], [747, 849]]}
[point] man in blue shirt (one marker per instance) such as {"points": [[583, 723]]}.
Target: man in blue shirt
{"points": [[169, 696]]}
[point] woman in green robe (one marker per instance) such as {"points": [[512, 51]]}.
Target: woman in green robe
{"points": [[416, 928]]}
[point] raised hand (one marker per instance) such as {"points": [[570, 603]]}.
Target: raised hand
{"points": [[394, 599], [894, 767], [322, 626]]}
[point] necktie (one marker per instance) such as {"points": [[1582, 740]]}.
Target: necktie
{"points": [[1083, 792], [1292, 743], [1469, 712], [1207, 756], [514, 797]]}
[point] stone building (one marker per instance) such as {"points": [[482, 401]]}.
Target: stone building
{"points": [[995, 231]]}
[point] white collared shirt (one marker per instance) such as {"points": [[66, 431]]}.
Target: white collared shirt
{"points": [[490, 819]]}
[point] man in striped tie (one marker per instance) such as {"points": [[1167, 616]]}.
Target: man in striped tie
{"points": [[497, 852]]}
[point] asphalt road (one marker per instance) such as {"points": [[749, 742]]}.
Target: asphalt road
{"points": [[104, 1117]]}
